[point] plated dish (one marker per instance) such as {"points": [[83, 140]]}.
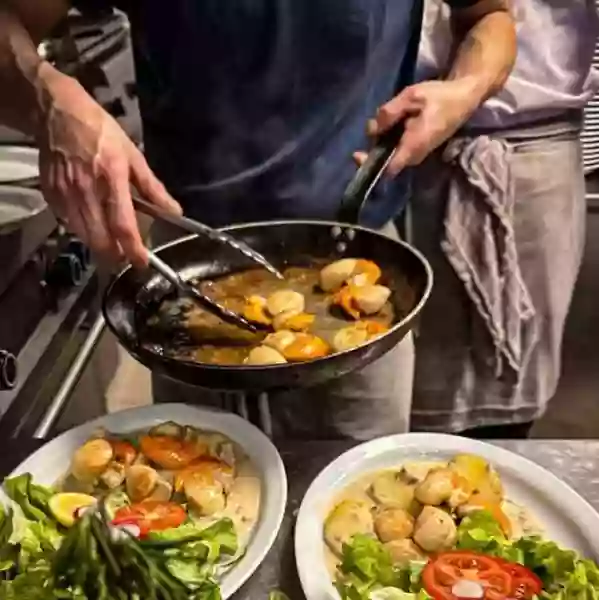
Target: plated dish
{"points": [[154, 510], [315, 311], [462, 520]]}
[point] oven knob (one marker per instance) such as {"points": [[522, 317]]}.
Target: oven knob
{"points": [[8, 370], [66, 271], [80, 250]]}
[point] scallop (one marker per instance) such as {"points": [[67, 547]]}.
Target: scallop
{"points": [[370, 298], [279, 340], [113, 476], [333, 276], [91, 460], [206, 496], [389, 490], [393, 524], [347, 519], [285, 300], [162, 492], [437, 487], [140, 482], [435, 530], [292, 320], [349, 337], [264, 355], [404, 551]]}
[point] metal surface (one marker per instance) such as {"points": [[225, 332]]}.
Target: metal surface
{"points": [[200, 229], [189, 291], [133, 297], [61, 399]]}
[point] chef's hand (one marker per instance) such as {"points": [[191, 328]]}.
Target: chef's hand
{"points": [[87, 163], [432, 112]]}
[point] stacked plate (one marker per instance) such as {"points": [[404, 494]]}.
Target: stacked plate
{"points": [[590, 133]]}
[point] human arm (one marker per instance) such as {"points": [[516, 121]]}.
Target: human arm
{"points": [[433, 111], [87, 162]]}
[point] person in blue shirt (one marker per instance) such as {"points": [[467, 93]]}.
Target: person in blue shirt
{"points": [[252, 110]]}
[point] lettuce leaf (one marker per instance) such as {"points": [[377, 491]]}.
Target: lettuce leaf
{"points": [[31, 498], [565, 574], [367, 572]]}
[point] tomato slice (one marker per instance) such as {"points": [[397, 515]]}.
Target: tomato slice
{"points": [[169, 452], [445, 570], [151, 515], [525, 584]]}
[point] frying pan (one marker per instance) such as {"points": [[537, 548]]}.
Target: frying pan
{"points": [[134, 294]]}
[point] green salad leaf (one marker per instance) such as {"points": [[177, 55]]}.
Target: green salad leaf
{"points": [[367, 572], [565, 574], [32, 499]]}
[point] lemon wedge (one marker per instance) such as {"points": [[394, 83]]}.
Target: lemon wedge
{"points": [[64, 506]]}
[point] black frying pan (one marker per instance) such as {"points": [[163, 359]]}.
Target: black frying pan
{"points": [[133, 294]]}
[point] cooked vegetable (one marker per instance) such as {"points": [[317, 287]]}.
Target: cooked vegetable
{"points": [[293, 321], [123, 451], [91, 459], [151, 516], [140, 482], [285, 301], [393, 524], [255, 310], [305, 346], [32, 499], [264, 355], [435, 530], [168, 429], [346, 520], [169, 452], [389, 489]]}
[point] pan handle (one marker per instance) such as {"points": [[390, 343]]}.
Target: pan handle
{"points": [[367, 176]]}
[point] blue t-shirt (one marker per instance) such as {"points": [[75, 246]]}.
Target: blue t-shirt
{"points": [[252, 108]]}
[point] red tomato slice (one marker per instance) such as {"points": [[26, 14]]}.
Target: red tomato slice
{"points": [[443, 571], [525, 584], [151, 516]]}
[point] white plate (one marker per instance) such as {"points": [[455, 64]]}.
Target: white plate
{"points": [[49, 463], [567, 518], [18, 163], [17, 205]]}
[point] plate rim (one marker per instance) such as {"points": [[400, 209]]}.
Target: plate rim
{"points": [[315, 581], [274, 492]]}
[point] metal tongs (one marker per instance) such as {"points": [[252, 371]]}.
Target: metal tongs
{"points": [[185, 288]]}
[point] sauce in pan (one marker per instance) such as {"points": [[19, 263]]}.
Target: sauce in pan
{"points": [[184, 330]]}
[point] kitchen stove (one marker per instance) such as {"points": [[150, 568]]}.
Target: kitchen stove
{"points": [[50, 324]]}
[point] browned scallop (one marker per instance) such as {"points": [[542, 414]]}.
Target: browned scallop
{"points": [[91, 459], [140, 482]]}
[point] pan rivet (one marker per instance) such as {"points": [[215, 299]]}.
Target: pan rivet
{"points": [[350, 233], [341, 247], [336, 232]]}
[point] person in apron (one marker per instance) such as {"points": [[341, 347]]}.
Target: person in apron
{"points": [[251, 111], [503, 222]]}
